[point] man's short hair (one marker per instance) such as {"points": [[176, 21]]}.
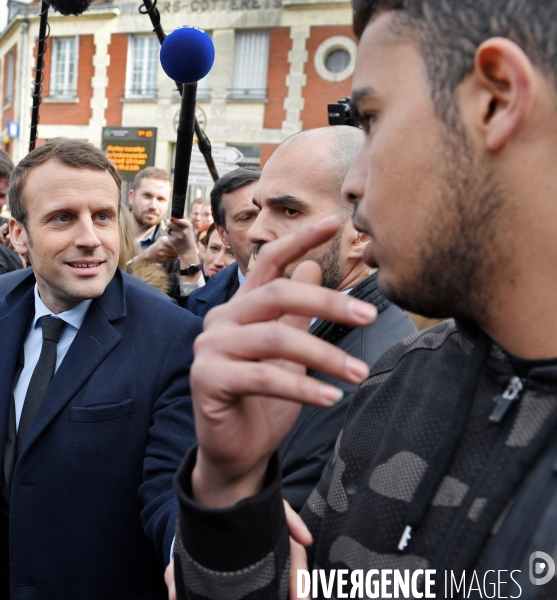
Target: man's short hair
{"points": [[228, 183], [448, 32], [73, 153], [196, 201], [6, 165], [150, 173]]}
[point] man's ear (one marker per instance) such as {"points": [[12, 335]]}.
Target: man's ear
{"points": [[358, 244], [223, 235], [505, 78], [131, 197], [19, 237]]}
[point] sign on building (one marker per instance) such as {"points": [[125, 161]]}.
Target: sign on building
{"points": [[12, 128], [131, 149]]}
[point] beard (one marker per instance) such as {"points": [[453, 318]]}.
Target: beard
{"points": [[327, 256], [460, 253], [146, 220]]}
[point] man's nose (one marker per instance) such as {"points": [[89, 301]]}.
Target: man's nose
{"points": [[354, 184], [259, 233], [86, 235]]}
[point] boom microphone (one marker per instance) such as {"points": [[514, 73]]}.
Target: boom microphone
{"points": [[187, 55], [66, 7], [70, 7]]}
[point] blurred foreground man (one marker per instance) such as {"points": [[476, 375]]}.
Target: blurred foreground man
{"points": [[446, 459], [94, 408]]}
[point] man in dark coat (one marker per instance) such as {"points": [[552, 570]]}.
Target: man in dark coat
{"points": [[95, 409], [234, 213]]}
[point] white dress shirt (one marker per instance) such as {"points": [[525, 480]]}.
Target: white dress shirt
{"points": [[34, 341]]}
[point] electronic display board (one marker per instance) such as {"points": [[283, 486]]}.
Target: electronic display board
{"points": [[130, 148]]}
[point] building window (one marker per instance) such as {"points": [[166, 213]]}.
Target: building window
{"points": [[335, 58], [63, 73], [10, 74], [251, 60], [142, 66]]}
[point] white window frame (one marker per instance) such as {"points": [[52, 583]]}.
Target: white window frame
{"points": [[247, 91], [68, 71], [144, 91]]}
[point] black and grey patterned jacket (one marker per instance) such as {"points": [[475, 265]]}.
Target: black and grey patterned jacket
{"points": [[446, 461]]}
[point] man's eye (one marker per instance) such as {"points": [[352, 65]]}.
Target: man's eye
{"points": [[290, 212], [214, 249], [365, 121], [62, 218], [103, 217]]}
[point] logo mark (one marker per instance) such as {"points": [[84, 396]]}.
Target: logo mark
{"points": [[542, 568]]}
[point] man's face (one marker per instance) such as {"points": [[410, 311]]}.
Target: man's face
{"points": [[424, 195], [149, 202], [298, 187], [3, 191], [72, 237], [239, 213], [206, 217], [195, 215]]}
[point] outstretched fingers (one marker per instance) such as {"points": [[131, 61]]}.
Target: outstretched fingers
{"points": [[265, 379], [286, 297]]}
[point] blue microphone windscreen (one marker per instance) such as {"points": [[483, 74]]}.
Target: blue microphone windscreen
{"points": [[187, 54]]}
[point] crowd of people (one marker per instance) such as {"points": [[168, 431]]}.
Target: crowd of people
{"points": [[207, 407]]}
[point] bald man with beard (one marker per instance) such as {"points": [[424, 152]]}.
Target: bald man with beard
{"points": [[299, 185]]}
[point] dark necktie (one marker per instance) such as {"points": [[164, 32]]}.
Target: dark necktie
{"points": [[42, 376]]}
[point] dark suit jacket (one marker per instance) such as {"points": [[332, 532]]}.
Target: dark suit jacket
{"points": [[92, 511], [218, 290]]}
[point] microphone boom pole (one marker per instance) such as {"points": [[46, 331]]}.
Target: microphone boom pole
{"points": [[44, 31], [149, 7]]}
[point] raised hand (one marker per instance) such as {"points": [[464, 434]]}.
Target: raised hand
{"points": [[248, 377]]}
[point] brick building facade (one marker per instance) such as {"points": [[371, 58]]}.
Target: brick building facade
{"points": [[278, 64]]}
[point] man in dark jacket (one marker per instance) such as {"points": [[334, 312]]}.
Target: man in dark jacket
{"points": [[234, 213], [94, 394], [301, 183], [447, 459]]}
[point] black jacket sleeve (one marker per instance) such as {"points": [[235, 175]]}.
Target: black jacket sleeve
{"points": [[237, 552]]}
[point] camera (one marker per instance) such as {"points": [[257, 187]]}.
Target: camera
{"points": [[341, 113]]}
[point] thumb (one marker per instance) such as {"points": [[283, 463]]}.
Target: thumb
{"points": [[306, 272]]}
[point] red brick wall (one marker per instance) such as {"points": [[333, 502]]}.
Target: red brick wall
{"points": [[318, 92], [266, 151], [118, 51], [65, 113], [279, 46]]}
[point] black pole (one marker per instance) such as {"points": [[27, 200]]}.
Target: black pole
{"points": [[44, 31], [150, 8], [184, 145]]}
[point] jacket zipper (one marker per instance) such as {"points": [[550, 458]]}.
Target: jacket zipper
{"points": [[509, 397], [513, 391]]}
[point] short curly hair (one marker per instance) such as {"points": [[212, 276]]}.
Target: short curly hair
{"points": [[448, 32]]}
